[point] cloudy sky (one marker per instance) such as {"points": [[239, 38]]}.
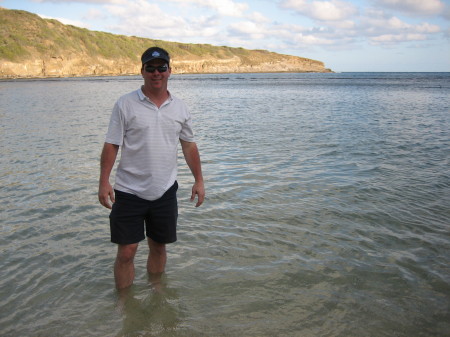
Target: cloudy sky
{"points": [[348, 35]]}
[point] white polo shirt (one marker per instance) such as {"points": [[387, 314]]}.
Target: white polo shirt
{"points": [[148, 137]]}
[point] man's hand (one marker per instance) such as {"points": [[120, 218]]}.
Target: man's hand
{"points": [[199, 190], [106, 195], [105, 190], [192, 157]]}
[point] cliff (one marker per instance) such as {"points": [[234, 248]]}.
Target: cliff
{"points": [[34, 47]]}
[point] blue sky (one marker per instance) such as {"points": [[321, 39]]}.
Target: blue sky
{"points": [[347, 35]]}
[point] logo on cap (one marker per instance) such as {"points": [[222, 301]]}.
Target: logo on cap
{"points": [[156, 54]]}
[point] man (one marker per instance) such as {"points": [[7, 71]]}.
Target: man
{"points": [[147, 124]]}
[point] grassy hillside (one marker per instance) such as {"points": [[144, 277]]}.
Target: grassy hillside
{"points": [[24, 35], [34, 47]]}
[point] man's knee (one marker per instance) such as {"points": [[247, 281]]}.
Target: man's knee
{"points": [[156, 247], [126, 253]]}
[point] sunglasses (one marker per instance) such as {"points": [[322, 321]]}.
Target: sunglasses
{"points": [[152, 69]]}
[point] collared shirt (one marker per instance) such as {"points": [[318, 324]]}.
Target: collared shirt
{"points": [[148, 137]]}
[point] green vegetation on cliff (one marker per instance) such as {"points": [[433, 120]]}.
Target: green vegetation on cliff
{"points": [[26, 38], [24, 34]]}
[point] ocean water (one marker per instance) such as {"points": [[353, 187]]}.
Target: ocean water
{"points": [[327, 210]]}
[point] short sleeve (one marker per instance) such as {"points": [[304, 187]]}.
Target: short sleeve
{"points": [[187, 133], [116, 127]]}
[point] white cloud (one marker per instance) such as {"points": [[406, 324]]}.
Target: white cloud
{"points": [[373, 26], [145, 19], [95, 14], [258, 17], [428, 28], [249, 29], [344, 24], [222, 7], [380, 28], [68, 21], [416, 7], [278, 36], [333, 10], [388, 39], [312, 40], [379, 22], [84, 1]]}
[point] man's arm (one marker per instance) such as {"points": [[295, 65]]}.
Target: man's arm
{"points": [[192, 157], [107, 160]]}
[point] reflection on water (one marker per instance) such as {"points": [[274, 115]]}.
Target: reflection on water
{"points": [[149, 312]]}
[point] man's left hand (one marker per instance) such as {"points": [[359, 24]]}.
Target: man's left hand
{"points": [[199, 190]]}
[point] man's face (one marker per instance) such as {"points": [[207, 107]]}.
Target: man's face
{"points": [[154, 74]]}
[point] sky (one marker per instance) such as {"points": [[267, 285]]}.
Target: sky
{"points": [[347, 35]]}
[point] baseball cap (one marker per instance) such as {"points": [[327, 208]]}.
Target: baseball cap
{"points": [[155, 53]]}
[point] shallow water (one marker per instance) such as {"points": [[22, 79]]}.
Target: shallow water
{"points": [[327, 210]]}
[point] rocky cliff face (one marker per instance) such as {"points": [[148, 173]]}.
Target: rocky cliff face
{"points": [[35, 47], [61, 66], [236, 65]]}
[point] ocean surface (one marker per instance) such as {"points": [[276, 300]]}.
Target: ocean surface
{"points": [[327, 210]]}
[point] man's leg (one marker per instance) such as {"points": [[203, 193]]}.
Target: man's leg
{"points": [[157, 257], [156, 263], [124, 265]]}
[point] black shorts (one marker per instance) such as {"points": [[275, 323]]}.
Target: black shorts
{"points": [[129, 214]]}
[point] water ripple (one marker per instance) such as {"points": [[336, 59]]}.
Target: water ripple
{"points": [[326, 211]]}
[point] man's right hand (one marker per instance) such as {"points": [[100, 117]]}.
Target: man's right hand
{"points": [[105, 190], [106, 195]]}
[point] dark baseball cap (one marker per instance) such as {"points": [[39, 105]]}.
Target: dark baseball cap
{"points": [[155, 53]]}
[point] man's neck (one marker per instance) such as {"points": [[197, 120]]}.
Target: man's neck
{"points": [[157, 96]]}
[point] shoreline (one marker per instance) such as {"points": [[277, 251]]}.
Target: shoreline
{"points": [[6, 78], [13, 78]]}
